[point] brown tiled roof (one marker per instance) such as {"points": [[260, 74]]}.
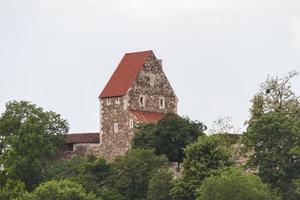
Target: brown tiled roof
{"points": [[74, 138], [125, 74], [144, 116]]}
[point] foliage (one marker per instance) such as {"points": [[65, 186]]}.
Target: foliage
{"points": [[133, 172], [202, 159], [275, 94], [234, 185], [183, 189], [88, 171], [223, 125], [12, 190], [106, 193], [90, 164], [275, 140], [60, 190], [160, 185], [30, 138], [169, 136], [205, 155]]}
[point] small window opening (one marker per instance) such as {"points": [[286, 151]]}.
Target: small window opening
{"points": [[142, 101], [108, 101], [116, 127], [118, 100], [131, 123], [162, 103], [68, 147]]}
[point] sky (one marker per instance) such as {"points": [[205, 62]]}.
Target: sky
{"points": [[59, 54]]}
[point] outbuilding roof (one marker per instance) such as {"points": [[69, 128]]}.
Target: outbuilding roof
{"points": [[147, 117], [74, 138], [125, 74]]}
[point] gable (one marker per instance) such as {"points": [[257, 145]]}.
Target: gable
{"points": [[125, 74]]}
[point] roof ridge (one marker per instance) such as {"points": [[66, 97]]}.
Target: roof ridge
{"points": [[136, 52]]}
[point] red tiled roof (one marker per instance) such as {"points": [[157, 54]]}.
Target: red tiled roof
{"points": [[144, 116], [82, 138], [125, 74]]}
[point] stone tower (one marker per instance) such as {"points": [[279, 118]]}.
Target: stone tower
{"points": [[137, 92]]}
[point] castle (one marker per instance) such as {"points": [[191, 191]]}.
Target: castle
{"points": [[137, 92]]}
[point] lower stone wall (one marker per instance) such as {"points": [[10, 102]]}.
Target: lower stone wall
{"points": [[100, 150]]}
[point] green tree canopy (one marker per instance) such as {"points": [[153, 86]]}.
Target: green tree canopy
{"points": [[234, 185], [275, 140], [133, 172], [60, 190], [160, 185], [88, 171], [202, 158], [169, 136], [12, 190], [30, 137], [273, 132], [275, 95]]}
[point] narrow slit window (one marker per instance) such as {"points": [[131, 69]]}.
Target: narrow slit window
{"points": [[131, 123], [162, 103], [142, 101]]}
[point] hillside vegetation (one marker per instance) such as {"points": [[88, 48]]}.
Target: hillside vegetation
{"points": [[261, 164]]}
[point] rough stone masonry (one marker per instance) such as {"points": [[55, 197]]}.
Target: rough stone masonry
{"points": [[137, 92]]}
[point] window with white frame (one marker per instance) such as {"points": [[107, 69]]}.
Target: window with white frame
{"points": [[118, 100], [116, 127], [108, 101], [152, 80], [131, 123], [142, 100], [162, 103]]}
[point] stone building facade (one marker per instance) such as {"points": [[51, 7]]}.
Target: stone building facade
{"points": [[137, 92]]}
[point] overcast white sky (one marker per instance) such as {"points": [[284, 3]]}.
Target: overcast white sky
{"points": [[59, 54]]}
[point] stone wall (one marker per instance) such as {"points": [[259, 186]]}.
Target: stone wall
{"points": [[114, 110], [114, 143], [152, 93]]}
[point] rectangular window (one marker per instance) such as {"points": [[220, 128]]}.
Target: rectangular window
{"points": [[152, 80], [108, 101], [68, 147], [131, 123], [116, 127], [142, 100], [162, 103], [118, 100]]}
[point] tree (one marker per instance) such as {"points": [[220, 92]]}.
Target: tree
{"points": [[60, 190], [160, 185], [202, 159], [133, 171], [275, 139], [223, 125], [12, 190], [88, 171], [169, 136], [276, 95], [30, 138], [234, 185]]}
